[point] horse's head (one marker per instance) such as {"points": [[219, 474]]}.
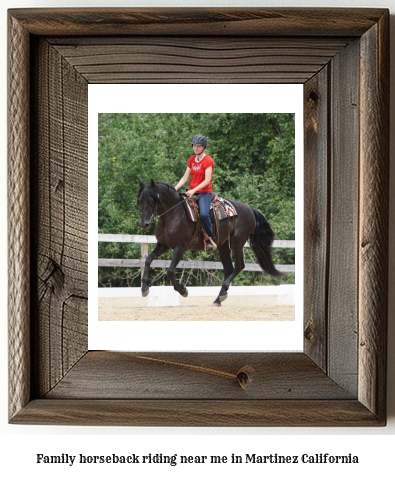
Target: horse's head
{"points": [[147, 199]]}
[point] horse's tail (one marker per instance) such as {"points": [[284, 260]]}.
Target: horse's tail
{"points": [[261, 241]]}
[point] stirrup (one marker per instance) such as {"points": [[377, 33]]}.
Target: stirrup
{"points": [[213, 245]]}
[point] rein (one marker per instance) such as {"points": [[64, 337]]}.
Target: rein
{"points": [[153, 219]]}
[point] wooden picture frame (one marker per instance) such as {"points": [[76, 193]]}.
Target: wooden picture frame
{"points": [[342, 58]]}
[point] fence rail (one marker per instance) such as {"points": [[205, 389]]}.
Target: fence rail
{"points": [[142, 239], [145, 240]]}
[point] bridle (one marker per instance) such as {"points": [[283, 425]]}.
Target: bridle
{"points": [[156, 218]]}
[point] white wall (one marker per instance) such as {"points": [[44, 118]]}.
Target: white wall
{"points": [[373, 451]]}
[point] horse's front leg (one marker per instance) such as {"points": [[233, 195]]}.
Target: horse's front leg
{"points": [[226, 259], [177, 256], [239, 266], [146, 281]]}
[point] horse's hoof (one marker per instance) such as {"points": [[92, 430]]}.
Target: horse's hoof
{"points": [[222, 297], [145, 293], [217, 303], [185, 293]]}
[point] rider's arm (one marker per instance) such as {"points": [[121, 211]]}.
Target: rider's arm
{"points": [[184, 179]]}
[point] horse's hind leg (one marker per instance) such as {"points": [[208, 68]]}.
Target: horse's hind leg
{"points": [[226, 259], [177, 256], [146, 281]]}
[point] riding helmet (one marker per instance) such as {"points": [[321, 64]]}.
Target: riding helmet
{"points": [[200, 139]]}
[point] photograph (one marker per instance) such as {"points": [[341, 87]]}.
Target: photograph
{"points": [[210, 215]]}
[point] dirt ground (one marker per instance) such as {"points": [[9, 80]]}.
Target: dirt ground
{"points": [[249, 308]]}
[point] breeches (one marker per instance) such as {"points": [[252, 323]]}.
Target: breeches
{"points": [[204, 200]]}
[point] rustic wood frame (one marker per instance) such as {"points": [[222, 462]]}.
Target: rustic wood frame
{"points": [[342, 57]]}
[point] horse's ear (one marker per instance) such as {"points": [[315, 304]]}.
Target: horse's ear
{"points": [[141, 184], [152, 183]]}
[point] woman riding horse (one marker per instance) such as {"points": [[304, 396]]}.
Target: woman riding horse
{"points": [[200, 169]]}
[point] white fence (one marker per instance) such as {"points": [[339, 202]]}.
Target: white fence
{"points": [[145, 240]]}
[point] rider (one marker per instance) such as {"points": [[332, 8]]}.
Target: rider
{"points": [[200, 169]]}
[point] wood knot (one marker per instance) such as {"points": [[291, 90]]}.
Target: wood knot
{"points": [[54, 276], [244, 376], [366, 245], [309, 331], [59, 185], [313, 96]]}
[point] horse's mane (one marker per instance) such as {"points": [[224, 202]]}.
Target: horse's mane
{"points": [[169, 186], [152, 193]]}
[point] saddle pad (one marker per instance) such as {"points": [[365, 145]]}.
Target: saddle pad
{"points": [[224, 207], [192, 213]]}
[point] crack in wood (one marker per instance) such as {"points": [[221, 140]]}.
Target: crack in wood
{"points": [[243, 376]]}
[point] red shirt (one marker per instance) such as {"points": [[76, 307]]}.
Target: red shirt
{"points": [[198, 173]]}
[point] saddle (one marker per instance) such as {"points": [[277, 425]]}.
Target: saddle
{"points": [[220, 209]]}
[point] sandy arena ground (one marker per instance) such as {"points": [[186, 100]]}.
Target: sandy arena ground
{"points": [[249, 308]]}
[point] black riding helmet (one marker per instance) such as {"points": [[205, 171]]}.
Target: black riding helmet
{"points": [[200, 140]]}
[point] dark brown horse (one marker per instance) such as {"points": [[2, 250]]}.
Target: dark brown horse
{"points": [[175, 230]]}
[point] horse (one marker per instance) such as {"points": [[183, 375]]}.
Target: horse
{"points": [[174, 230]]}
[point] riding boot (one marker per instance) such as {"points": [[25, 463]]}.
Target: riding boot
{"points": [[209, 244]]}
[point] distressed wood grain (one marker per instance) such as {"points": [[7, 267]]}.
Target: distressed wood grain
{"points": [[374, 219], [343, 224], [306, 22], [191, 59], [196, 375], [201, 413], [316, 199], [18, 218], [60, 229]]}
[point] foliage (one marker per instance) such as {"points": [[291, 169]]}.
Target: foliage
{"points": [[254, 158]]}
